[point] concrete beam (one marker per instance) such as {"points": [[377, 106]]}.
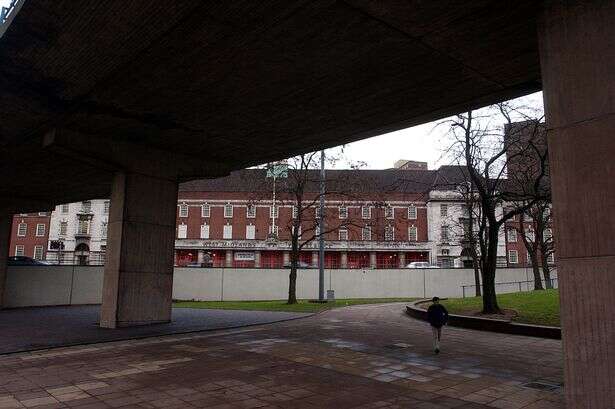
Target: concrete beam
{"points": [[577, 51], [113, 156], [138, 280]]}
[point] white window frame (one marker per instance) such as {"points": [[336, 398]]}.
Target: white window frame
{"points": [[85, 223], [413, 233], [228, 211], [104, 225], [204, 233], [250, 232], [274, 229], [389, 233], [40, 230], [389, 212], [182, 231], [530, 234], [250, 211], [342, 234], [299, 235], [63, 228], [343, 212], [65, 208], [20, 250], [444, 210], [106, 206], [512, 253], [183, 210], [412, 212], [205, 210], [86, 206], [227, 232], [366, 215], [445, 233], [22, 229], [37, 248], [512, 235], [551, 258], [366, 233], [548, 234], [274, 211]]}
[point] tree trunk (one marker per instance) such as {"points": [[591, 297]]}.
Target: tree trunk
{"points": [[292, 285], [489, 266], [536, 271], [546, 271]]}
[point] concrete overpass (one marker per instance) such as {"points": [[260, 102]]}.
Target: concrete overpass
{"points": [[127, 99]]}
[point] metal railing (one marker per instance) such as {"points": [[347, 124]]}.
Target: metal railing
{"points": [[511, 286]]}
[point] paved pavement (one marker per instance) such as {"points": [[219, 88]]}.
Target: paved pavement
{"points": [[358, 357], [25, 329]]}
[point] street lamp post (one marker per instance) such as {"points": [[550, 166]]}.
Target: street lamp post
{"points": [[321, 230]]}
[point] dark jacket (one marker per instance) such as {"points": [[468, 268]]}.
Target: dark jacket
{"points": [[437, 315]]}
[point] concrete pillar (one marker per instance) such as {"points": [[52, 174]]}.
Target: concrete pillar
{"points": [[138, 280], [315, 259], [257, 259], [343, 259], [373, 259], [286, 258], [6, 222], [401, 256], [174, 257], [200, 257], [577, 54], [228, 262]]}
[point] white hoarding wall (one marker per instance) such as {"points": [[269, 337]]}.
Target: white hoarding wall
{"points": [[65, 285]]}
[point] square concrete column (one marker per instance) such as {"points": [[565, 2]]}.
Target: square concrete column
{"points": [[257, 259], [343, 259], [138, 280], [6, 222], [285, 258], [228, 262], [373, 259], [315, 259], [200, 257], [577, 54], [401, 256]]}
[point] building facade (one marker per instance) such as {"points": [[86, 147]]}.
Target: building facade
{"points": [[29, 235]]}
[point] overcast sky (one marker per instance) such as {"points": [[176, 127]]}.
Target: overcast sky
{"points": [[422, 143]]}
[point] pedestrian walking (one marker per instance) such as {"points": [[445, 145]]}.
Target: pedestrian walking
{"points": [[437, 316]]}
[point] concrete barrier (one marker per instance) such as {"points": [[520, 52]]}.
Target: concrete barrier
{"points": [[64, 285]]}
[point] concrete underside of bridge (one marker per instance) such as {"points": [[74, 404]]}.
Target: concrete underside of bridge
{"points": [[123, 98]]}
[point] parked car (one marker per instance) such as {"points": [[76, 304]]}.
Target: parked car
{"points": [[25, 261], [300, 264], [421, 264]]}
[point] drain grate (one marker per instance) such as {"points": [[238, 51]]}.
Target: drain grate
{"points": [[543, 386]]}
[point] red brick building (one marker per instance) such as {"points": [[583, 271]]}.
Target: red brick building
{"points": [[29, 235]]}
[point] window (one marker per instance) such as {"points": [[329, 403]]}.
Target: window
{"points": [[413, 233], [22, 229], [106, 207], [366, 233], [183, 210], [295, 212], [204, 231], [317, 211], [412, 212], [227, 232], [389, 233], [529, 234], [548, 234], [444, 234], [512, 235], [299, 231], [86, 206], [366, 212], [251, 232], [42, 213], [388, 212], [103, 229], [446, 252], [551, 258], [251, 211], [205, 210], [102, 256], [63, 228], [19, 250], [182, 231], [38, 252], [443, 210], [228, 210], [274, 211], [513, 257], [273, 230], [65, 208], [40, 230], [83, 227], [343, 234], [343, 212]]}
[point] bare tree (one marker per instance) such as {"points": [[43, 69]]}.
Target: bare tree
{"points": [[478, 145]]}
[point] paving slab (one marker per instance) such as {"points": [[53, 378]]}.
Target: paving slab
{"points": [[295, 364]]}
